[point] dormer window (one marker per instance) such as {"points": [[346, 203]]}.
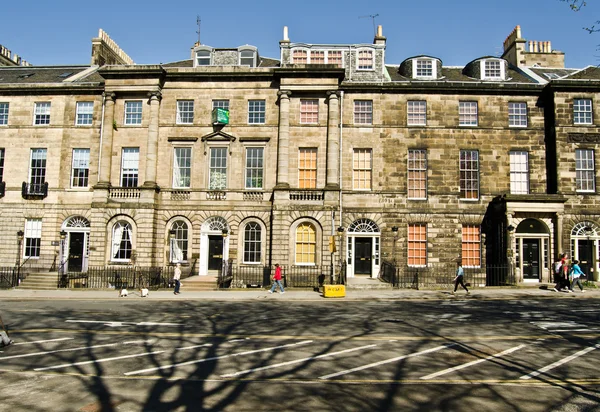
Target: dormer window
{"points": [[424, 69], [492, 69], [247, 56], [365, 59], [204, 57]]}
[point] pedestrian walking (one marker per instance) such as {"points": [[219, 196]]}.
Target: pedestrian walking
{"points": [[576, 274], [277, 279], [176, 278], [459, 279], [560, 274]]}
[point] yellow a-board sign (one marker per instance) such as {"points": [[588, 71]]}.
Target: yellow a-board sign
{"points": [[334, 291]]}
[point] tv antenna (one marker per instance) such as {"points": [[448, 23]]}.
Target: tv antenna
{"points": [[198, 23], [372, 16]]}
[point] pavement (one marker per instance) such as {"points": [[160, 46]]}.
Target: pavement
{"points": [[489, 293]]}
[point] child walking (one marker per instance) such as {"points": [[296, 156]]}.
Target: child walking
{"points": [[459, 279]]}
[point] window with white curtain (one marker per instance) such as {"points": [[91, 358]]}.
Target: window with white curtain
{"points": [[519, 172], [121, 241], [217, 174], [182, 167], [179, 244], [33, 238]]}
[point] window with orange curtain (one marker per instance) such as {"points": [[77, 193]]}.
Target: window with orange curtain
{"points": [[309, 111], [471, 246], [299, 56], [307, 168], [417, 244], [306, 244]]}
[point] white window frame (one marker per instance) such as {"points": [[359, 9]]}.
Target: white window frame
{"points": [[585, 171], [417, 172], [341, 52], [185, 112], [310, 111], [517, 114], [519, 172], [300, 49], [4, 108], [416, 68], [416, 113], [180, 179], [117, 233], [243, 60], [255, 168], [207, 59], [363, 112], [32, 238], [257, 115], [469, 171], [41, 116], [369, 67], [467, 111], [130, 165], [38, 166], [486, 71], [471, 246], [303, 243], [133, 112], [304, 181], [80, 168], [416, 242], [362, 169], [216, 165], [252, 245], [583, 111], [84, 113], [180, 243]]}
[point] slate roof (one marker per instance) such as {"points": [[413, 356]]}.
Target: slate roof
{"points": [[551, 73], [455, 74], [589, 73], [264, 62], [53, 74]]}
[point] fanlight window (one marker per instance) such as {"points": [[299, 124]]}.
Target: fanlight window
{"points": [[78, 221], [585, 229], [363, 226], [217, 224]]}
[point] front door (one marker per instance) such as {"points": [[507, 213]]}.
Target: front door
{"points": [[531, 259], [585, 255], [215, 252], [75, 259], [363, 252]]}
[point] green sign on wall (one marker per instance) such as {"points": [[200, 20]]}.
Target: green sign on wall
{"points": [[220, 116]]}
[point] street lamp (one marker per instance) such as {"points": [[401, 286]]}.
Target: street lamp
{"points": [[395, 232], [63, 236], [20, 235], [172, 234]]}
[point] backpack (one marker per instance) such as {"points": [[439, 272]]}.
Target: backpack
{"points": [[557, 268]]}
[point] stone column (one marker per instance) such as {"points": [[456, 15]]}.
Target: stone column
{"points": [[333, 141], [559, 234], [152, 146], [283, 143], [107, 141]]}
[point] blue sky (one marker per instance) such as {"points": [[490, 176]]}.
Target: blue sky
{"points": [[60, 32]]}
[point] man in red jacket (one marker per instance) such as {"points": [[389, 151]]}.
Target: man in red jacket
{"points": [[277, 279]]}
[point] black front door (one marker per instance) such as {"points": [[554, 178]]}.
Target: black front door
{"points": [[363, 249], [585, 255], [75, 259], [531, 259], [215, 252]]}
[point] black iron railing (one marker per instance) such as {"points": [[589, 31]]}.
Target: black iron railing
{"points": [[259, 276], [130, 277], [34, 190]]}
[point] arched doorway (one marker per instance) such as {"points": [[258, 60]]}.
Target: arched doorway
{"points": [[532, 249], [214, 246], [363, 248], [584, 247], [76, 248]]}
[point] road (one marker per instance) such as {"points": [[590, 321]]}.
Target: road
{"points": [[447, 355]]}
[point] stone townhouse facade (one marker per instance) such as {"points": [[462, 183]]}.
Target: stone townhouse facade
{"points": [[328, 157]]}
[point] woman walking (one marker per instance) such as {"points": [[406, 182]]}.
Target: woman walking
{"points": [[577, 274]]}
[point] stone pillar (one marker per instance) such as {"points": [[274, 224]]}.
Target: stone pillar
{"points": [[559, 235], [333, 141], [107, 141], [152, 146], [283, 143]]}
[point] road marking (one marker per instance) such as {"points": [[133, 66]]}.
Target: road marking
{"points": [[42, 341], [217, 357], [26, 355], [371, 365], [66, 365], [206, 345], [114, 324], [475, 362], [277, 365], [560, 362], [575, 330]]}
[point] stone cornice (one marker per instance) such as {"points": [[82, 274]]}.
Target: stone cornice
{"points": [[583, 138]]}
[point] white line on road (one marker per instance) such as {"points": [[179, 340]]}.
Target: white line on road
{"points": [[304, 342], [26, 355], [206, 345], [574, 330], [113, 323], [42, 341], [277, 365], [475, 362], [560, 362], [371, 365], [66, 365]]}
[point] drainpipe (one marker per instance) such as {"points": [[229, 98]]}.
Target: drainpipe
{"points": [[101, 134], [342, 255]]}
